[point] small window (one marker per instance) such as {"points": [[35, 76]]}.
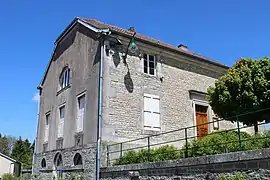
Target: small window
{"points": [[80, 113], [47, 119], [149, 64], [77, 159], [61, 121], [43, 163], [46, 129], [62, 112], [151, 112], [65, 78]]}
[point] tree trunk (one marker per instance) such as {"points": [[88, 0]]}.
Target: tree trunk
{"points": [[256, 129]]}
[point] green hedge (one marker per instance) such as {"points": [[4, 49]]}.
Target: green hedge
{"points": [[9, 177], [214, 143]]}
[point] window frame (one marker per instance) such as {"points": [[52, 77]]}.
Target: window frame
{"points": [[82, 95], [153, 128], [148, 64], [64, 80], [47, 127], [60, 120]]}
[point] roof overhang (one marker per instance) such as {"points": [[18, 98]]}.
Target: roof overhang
{"points": [[9, 158]]}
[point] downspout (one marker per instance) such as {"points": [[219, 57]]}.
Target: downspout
{"points": [[100, 102]]}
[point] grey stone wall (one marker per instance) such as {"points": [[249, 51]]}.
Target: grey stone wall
{"points": [[125, 84], [261, 174], [87, 169], [253, 164]]}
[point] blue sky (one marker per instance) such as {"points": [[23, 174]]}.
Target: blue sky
{"points": [[224, 31]]}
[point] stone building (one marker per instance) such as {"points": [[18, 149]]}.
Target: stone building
{"points": [[98, 82]]}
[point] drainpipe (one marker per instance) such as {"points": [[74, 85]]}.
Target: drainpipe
{"points": [[99, 124]]}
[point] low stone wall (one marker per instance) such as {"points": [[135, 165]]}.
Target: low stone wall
{"points": [[250, 163]]}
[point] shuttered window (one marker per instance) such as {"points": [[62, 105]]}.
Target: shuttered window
{"points": [[46, 129], [151, 112], [61, 121], [80, 113]]}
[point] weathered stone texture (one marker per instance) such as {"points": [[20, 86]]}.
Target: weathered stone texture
{"points": [[88, 169], [253, 164]]}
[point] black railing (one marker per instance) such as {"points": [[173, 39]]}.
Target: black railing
{"points": [[182, 139]]}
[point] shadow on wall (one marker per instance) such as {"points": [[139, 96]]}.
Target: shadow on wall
{"points": [[128, 82]]}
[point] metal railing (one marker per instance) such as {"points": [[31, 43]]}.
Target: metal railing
{"points": [[181, 139]]}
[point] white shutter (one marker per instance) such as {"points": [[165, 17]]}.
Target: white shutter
{"points": [[147, 119], [151, 112], [156, 120]]}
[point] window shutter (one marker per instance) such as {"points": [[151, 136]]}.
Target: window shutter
{"points": [[151, 111], [61, 128]]}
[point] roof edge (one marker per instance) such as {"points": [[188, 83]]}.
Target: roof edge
{"points": [[64, 33], [9, 158]]}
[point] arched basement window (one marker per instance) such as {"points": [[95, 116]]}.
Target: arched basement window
{"points": [[77, 159], [58, 161], [43, 163]]}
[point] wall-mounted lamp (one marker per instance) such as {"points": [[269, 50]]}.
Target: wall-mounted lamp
{"points": [[132, 47]]}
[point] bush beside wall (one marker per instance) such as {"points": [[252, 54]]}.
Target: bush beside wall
{"points": [[215, 143]]}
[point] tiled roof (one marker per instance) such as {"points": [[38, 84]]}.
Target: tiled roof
{"points": [[116, 29]]}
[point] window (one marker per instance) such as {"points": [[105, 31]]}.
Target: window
{"points": [[149, 64], [65, 78], [46, 128], [43, 163], [77, 160], [80, 113], [61, 121], [151, 112]]}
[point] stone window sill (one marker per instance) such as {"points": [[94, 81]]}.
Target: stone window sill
{"points": [[151, 132], [63, 89]]}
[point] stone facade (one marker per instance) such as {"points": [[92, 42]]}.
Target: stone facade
{"points": [[87, 169]]}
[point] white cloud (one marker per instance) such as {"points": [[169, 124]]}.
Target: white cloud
{"points": [[36, 97]]}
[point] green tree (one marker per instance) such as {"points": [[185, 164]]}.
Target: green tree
{"points": [[243, 89], [22, 152], [4, 149]]}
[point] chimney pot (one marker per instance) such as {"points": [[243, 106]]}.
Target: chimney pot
{"points": [[183, 47]]}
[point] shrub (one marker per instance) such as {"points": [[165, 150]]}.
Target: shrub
{"points": [[158, 154], [215, 143], [9, 177]]}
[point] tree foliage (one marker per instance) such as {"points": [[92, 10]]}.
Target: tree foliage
{"points": [[244, 88], [23, 152]]}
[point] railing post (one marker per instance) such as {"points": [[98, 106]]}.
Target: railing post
{"points": [[108, 158], [239, 134], [148, 147], [121, 150], [186, 138]]}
